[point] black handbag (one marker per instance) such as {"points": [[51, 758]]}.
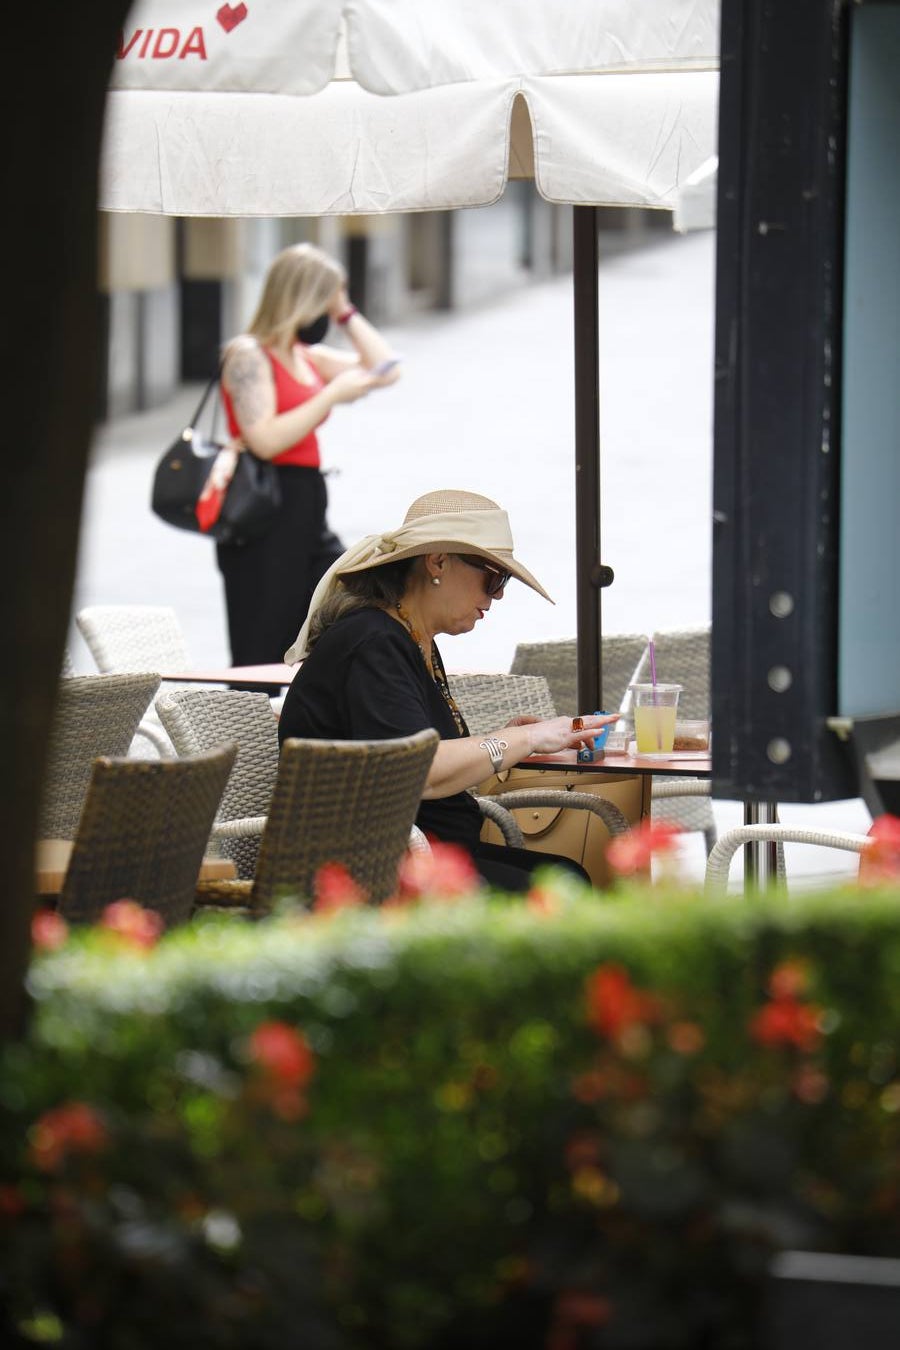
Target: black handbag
{"points": [[251, 501]]}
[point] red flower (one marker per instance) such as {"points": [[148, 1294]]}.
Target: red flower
{"points": [[789, 979], [614, 1004], [880, 859], [633, 852], [282, 1054], [73, 1127], [574, 1311], [334, 889], [787, 1021], [543, 900], [49, 930], [686, 1038], [135, 925], [444, 873]]}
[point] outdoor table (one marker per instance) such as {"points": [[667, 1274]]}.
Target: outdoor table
{"points": [[760, 861], [52, 859], [686, 765], [246, 675]]}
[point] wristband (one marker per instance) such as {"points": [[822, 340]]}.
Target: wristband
{"points": [[495, 747], [347, 314]]}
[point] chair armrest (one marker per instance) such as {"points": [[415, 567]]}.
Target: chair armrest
{"points": [[614, 819], [233, 897], [242, 827], [157, 738], [504, 820], [722, 852], [683, 787], [417, 841]]}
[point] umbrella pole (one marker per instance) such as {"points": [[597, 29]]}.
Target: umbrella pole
{"points": [[590, 574]]}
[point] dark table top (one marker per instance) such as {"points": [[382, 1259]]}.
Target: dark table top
{"points": [[685, 765]]}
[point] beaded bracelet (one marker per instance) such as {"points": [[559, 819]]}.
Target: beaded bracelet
{"points": [[347, 314]]}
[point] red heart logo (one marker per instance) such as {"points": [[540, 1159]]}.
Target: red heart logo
{"points": [[230, 16]]}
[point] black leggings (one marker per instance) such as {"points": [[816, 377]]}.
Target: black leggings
{"points": [[511, 869], [269, 581]]}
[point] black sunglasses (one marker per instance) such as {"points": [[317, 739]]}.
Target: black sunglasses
{"points": [[495, 577]]}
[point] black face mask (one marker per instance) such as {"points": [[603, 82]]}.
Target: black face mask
{"points": [[313, 332]]}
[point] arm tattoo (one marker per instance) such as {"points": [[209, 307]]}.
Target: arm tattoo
{"points": [[248, 378]]}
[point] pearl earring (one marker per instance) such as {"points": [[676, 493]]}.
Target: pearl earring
{"points": [[435, 581]]}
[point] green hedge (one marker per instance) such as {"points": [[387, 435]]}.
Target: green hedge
{"points": [[575, 1121]]}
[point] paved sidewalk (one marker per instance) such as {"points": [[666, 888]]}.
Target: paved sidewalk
{"points": [[486, 404]]}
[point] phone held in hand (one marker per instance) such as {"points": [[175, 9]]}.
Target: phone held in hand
{"points": [[385, 367]]}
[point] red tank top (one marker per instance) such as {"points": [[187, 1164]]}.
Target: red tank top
{"points": [[289, 393]]}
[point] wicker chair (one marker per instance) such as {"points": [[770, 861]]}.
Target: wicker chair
{"points": [[488, 701], [557, 662], [198, 719], [722, 852], [68, 669], [351, 802], [136, 638], [142, 834], [95, 715]]}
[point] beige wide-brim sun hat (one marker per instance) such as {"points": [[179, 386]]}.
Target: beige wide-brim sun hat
{"points": [[444, 521], [452, 522]]}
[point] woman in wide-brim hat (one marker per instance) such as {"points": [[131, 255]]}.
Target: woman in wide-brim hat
{"points": [[372, 670]]}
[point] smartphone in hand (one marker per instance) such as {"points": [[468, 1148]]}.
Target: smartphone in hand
{"points": [[386, 366]]}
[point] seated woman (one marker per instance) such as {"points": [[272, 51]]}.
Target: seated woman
{"points": [[371, 669]]}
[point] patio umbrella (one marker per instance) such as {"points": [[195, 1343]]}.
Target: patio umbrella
{"points": [[341, 107]]}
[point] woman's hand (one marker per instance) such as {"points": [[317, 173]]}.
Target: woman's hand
{"points": [[557, 734], [351, 385], [462, 763]]}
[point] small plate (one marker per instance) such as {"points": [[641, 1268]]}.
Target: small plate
{"points": [[667, 754]]}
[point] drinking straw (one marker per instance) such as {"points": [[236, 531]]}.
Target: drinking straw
{"points": [[651, 649]]}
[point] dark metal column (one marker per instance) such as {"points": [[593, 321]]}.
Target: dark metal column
{"points": [[779, 333], [590, 575]]}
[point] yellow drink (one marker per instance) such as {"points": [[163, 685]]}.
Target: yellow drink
{"points": [[654, 729]]}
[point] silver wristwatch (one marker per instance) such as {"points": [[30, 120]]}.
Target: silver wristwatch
{"points": [[495, 747]]}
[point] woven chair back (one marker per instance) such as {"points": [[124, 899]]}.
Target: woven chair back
{"points": [[488, 701], [350, 802], [143, 833], [200, 719], [95, 715], [134, 637], [557, 661], [682, 657]]}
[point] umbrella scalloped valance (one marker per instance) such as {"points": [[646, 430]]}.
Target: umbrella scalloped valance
{"points": [[366, 106]]}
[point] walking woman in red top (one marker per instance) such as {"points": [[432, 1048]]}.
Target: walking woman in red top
{"points": [[279, 384]]}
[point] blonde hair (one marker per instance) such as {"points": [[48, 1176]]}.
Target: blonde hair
{"points": [[299, 286]]}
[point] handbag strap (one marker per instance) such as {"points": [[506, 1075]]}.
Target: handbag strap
{"points": [[198, 412]]}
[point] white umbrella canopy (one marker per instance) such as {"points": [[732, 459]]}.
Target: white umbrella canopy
{"points": [[314, 107]]}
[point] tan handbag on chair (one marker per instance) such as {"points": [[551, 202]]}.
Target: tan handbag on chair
{"points": [[572, 832]]}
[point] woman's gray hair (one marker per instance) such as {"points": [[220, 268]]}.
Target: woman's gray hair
{"points": [[380, 588]]}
